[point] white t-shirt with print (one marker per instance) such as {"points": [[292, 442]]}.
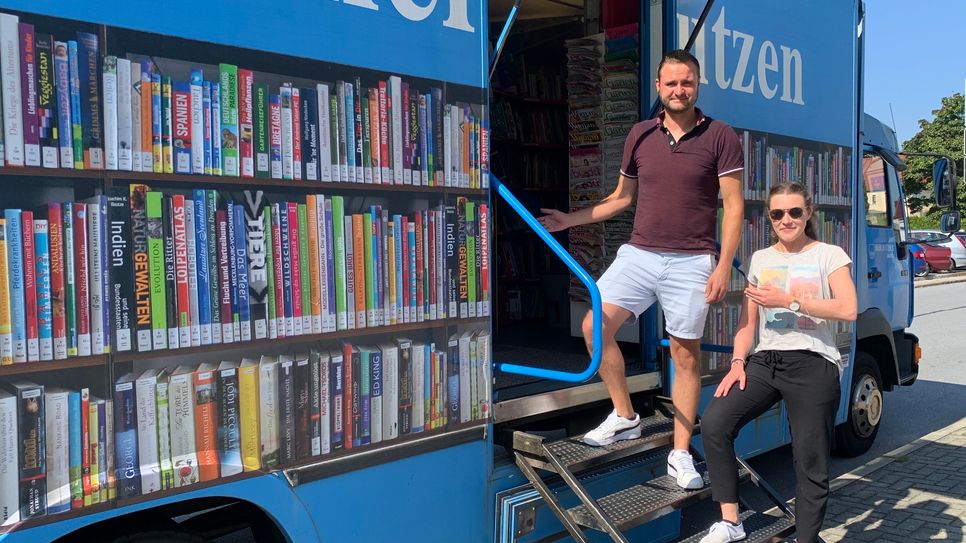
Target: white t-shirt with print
{"points": [[805, 276]]}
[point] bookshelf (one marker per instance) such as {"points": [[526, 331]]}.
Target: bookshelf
{"points": [[419, 306]]}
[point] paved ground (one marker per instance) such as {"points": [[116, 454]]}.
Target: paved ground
{"points": [[915, 493]]}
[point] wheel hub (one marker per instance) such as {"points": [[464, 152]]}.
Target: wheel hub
{"points": [[866, 406]]}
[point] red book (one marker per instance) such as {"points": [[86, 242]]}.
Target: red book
{"points": [[55, 222], [297, 133], [404, 236], [181, 128], [224, 272], [246, 82], [206, 422], [275, 141], [374, 141], [484, 234], [30, 286], [347, 395], [384, 158], [420, 294], [82, 280], [181, 269], [293, 242], [277, 266]]}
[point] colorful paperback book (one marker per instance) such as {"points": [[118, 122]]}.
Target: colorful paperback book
{"points": [[10, 79], [241, 267], [9, 460], [246, 82], [197, 121], [228, 78], [47, 120], [167, 125], [31, 445], [89, 62], [15, 269], [28, 87], [216, 133], [203, 265], [6, 331], [275, 136], [62, 85], [229, 437], [126, 438], [44, 307], [109, 90], [182, 126], [260, 129], [258, 285], [155, 246], [206, 125]]}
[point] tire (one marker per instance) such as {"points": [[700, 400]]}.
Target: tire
{"points": [[856, 435], [924, 272]]}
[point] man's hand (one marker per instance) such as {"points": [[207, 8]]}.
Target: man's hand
{"points": [[717, 285], [736, 375], [768, 296], [555, 220]]}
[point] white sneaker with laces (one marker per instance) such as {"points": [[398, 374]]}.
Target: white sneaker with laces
{"points": [[680, 465], [724, 532], [614, 428]]}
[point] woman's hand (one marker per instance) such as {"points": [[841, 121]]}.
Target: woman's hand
{"points": [[736, 375], [768, 296], [554, 220]]}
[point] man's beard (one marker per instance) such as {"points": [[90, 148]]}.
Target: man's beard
{"points": [[678, 106]]}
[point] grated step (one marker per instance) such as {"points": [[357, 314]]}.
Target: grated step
{"points": [[642, 503], [656, 431], [759, 527]]}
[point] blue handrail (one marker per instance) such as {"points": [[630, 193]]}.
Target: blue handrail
{"points": [[581, 274]]}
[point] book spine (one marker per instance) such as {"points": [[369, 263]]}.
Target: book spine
{"points": [[229, 438], [365, 392], [95, 275], [193, 303], [337, 386], [12, 106], [30, 285], [109, 82], [163, 406], [172, 307], [146, 403], [147, 121], [484, 257], [248, 417], [324, 134], [241, 273], [18, 311], [298, 163], [206, 424], [182, 316], [286, 413], [184, 459], [89, 59], [32, 458], [74, 451], [335, 135], [246, 83], [76, 114], [329, 322], [155, 245], [258, 286], [182, 127], [278, 272], [261, 130], [136, 115], [6, 328], [270, 258], [167, 125], [314, 401], [65, 144], [28, 88], [126, 441], [217, 136], [206, 126], [82, 278], [125, 126], [214, 285], [268, 412], [137, 202], [310, 134], [224, 277], [203, 266], [47, 120], [45, 315], [275, 136], [376, 375], [302, 253], [228, 78], [233, 271], [285, 108], [339, 260], [303, 409], [196, 121], [405, 394], [315, 294], [57, 447], [286, 269]]}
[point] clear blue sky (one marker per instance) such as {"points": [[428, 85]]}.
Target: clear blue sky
{"points": [[914, 56]]}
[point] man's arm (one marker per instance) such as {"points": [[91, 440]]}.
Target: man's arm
{"points": [[734, 211], [612, 205]]}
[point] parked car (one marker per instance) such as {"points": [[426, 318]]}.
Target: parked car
{"points": [[937, 257], [955, 244], [919, 265]]}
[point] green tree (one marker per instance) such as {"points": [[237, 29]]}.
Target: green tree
{"points": [[943, 135]]}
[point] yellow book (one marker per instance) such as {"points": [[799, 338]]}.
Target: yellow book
{"points": [[248, 409], [315, 283], [6, 334]]}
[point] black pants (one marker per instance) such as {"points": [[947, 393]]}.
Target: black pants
{"points": [[809, 384]]}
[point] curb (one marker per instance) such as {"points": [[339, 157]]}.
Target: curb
{"points": [[878, 463], [958, 277]]}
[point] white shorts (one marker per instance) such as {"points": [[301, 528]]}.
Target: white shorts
{"points": [[637, 278]]}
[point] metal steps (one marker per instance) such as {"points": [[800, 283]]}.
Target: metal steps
{"points": [[759, 528], [642, 503], [577, 456]]}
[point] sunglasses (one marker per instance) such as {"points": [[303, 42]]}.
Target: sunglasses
{"points": [[779, 214]]}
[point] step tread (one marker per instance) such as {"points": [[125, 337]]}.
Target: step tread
{"points": [[641, 503], [759, 527], [656, 431]]}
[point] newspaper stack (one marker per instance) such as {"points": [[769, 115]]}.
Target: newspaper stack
{"points": [[585, 57]]}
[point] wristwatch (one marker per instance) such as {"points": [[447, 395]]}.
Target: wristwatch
{"points": [[795, 305]]}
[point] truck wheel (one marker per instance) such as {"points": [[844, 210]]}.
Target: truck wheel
{"points": [[856, 435]]}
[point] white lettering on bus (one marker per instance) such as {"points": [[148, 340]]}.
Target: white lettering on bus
{"points": [[458, 11]]}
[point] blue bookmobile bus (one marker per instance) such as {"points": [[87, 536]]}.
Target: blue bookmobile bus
{"points": [[498, 458]]}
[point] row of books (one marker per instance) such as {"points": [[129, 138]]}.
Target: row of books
{"points": [[166, 428], [142, 270], [527, 125], [65, 105], [824, 172]]}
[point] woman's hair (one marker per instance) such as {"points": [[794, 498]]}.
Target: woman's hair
{"points": [[794, 188]]}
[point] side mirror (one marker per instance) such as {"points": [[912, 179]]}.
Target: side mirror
{"points": [[944, 182], [949, 222]]}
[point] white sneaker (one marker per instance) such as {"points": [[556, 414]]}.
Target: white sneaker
{"points": [[614, 428], [724, 532], [680, 465]]}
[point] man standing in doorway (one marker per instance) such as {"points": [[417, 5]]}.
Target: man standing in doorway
{"points": [[673, 168]]}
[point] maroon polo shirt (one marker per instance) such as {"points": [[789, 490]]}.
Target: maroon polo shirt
{"points": [[677, 183]]}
